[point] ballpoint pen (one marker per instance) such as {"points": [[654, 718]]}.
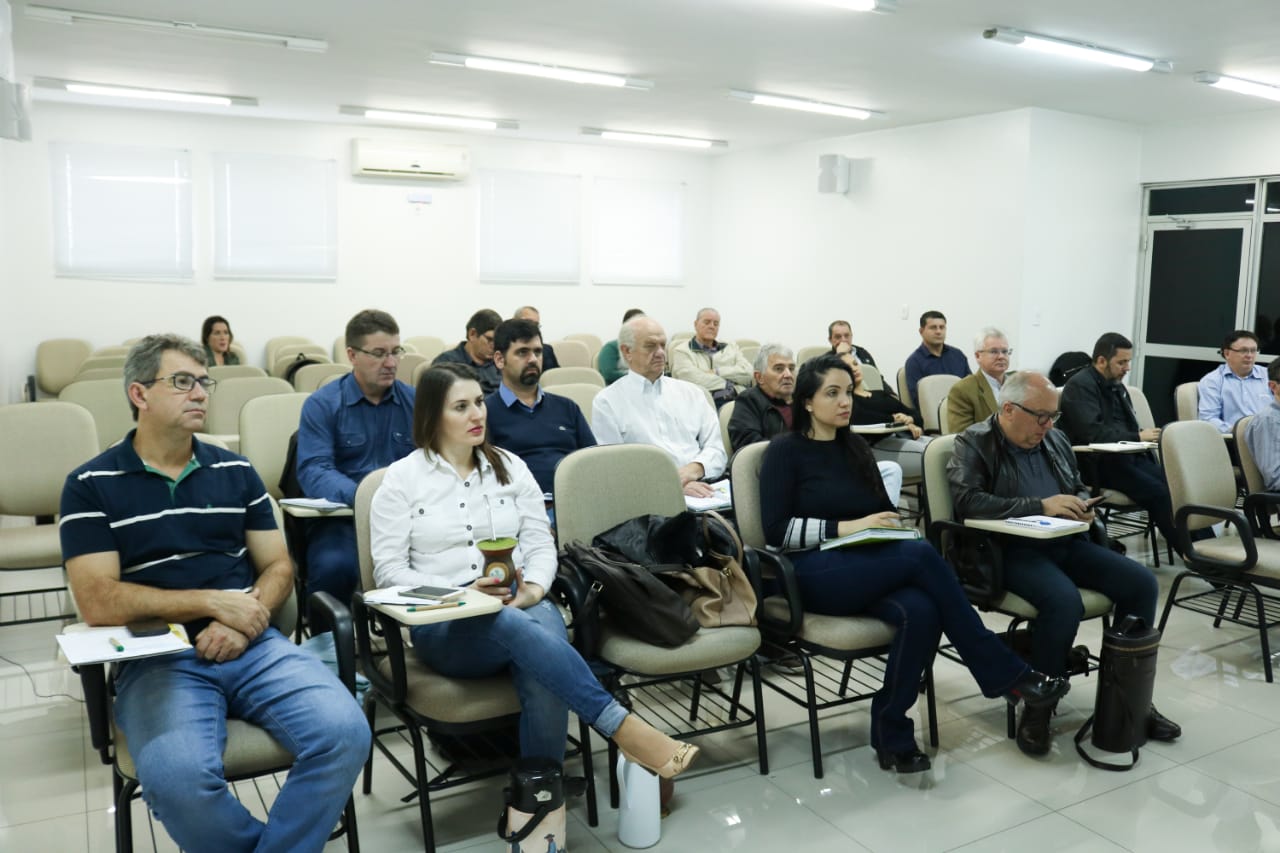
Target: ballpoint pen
{"points": [[115, 644]]}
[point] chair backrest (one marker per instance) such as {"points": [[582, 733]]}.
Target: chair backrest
{"points": [[408, 366], [805, 353], [749, 352], [573, 353], [364, 550], [286, 364], [904, 394], [593, 342], [118, 349], [1141, 408], [43, 443], [944, 417], [310, 350], [428, 346], [96, 361], [1186, 401], [240, 352], [235, 371], [938, 505], [582, 393], [274, 344], [223, 416], [929, 392], [309, 377], [1197, 468], [745, 475], [265, 426], [565, 375], [339, 352], [743, 343], [116, 373], [871, 378], [1248, 463], [599, 487], [725, 413], [106, 401], [677, 339], [58, 361]]}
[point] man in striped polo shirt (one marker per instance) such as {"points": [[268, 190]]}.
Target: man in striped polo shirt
{"points": [[162, 526]]}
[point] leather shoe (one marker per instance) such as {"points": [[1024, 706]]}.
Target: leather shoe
{"points": [[1037, 689], [912, 761], [1160, 727], [1033, 729]]}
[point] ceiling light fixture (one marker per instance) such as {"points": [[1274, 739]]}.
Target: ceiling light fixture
{"points": [[1077, 50], [654, 138], [863, 5], [74, 16], [430, 119], [802, 104], [137, 94], [1236, 84], [534, 69]]}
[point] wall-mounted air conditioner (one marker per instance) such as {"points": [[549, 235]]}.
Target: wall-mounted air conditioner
{"points": [[371, 159]]}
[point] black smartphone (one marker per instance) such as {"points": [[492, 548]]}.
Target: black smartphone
{"points": [[147, 628], [1092, 502], [436, 593]]}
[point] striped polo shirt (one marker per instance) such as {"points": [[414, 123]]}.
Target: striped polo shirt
{"points": [[187, 533]]}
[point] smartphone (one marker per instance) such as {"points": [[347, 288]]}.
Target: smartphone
{"points": [[1092, 502], [435, 593], [147, 628]]}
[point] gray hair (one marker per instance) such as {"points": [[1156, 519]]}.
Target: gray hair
{"points": [[701, 311], [524, 308], [143, 361], [1019, 386], [980, 339], [767, 350]]}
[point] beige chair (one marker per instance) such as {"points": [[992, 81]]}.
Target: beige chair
{"points": [[58, 361], [266, 424], [944, 417], [749, 352], [743, 343], [1237, 576], [106, 401], [572, 353], [43, 443], [223, 416], [871, 378], [289, 355], [119, 349], [274, 345], [725, 414], [235, 371], [94, 362], [1186, 401], [929, 394], [903, 393], [805, 353], [428, 346], [677, 339], [417, 374], [116, 373], [814, 638], [582, 393], [332, 377], [408, 366], [309, 377], [593, 342], [339, 352], [1249, 471], [239, 353], [564, 375]]}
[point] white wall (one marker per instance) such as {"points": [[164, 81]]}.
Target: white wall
{"points": [[1243, 145]]}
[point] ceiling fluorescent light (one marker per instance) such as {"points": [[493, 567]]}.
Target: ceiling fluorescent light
{"points": [[864, 5], [1236, 84], [534, 69], [73, 16], [802, 104], [430, 119], [157, 95], [654, 138], [1077, 50]]}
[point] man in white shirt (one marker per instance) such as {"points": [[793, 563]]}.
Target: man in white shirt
{"points": [[645, 407]]}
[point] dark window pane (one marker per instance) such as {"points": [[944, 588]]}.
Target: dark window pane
{"points": [[1194, 276], [1161, 375], [1267, 324], [1228, 198], [1273, 197]]}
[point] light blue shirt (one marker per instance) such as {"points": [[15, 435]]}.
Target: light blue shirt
{"points": [[1226, 398], [1263, 438]]}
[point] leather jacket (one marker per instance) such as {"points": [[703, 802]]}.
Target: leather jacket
{"points": [[984, 475]]}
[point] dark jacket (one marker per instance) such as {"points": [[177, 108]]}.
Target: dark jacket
{"points": [[490, 378], [984, 475], [755, 418], [1094, 409]]}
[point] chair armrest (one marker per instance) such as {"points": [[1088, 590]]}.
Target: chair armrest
{"points": [[93, 682], [976, 557], [777, 567], [328, 614], [1257, 508], [395, 688], [1230, 515]]}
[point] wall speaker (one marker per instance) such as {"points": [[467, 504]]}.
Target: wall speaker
{"points": [[833, 173]]}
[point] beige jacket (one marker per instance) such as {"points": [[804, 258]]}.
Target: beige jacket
{"points": [[709, 370]]}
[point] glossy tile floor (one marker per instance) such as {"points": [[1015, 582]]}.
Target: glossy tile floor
{"points": [[1218, 788]]}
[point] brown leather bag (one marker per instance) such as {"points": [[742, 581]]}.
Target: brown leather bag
{"points": [[718, 592]]}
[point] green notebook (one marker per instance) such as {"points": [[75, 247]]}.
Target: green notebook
{"points": [[872, 535]]}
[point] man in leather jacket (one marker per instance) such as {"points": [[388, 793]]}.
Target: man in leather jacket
{"points": [[1014, 464]]}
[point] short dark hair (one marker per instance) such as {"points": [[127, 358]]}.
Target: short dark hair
{"points": [[1108, 344], [1237, 335], [925, 318], [632, 312], [1273, 370], [832, 327], [428, 413], [369, 322], [206, 329], [511, 331], [484, 320]]}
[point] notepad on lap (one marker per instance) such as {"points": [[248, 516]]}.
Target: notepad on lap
{"points": [[872, 535], [114, 642], [1047, 523]]}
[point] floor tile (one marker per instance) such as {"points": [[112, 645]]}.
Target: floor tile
{"points": [[1253, 766], [1053, 833], [59, 833], [51, 781]]}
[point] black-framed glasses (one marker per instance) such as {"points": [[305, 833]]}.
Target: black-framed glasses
{"points": [[1042, 418], [184, 382], [997, 351], [381, 354], [1243, 351]]}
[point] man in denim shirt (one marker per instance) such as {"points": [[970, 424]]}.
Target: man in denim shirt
{"points": [[351, 427]]}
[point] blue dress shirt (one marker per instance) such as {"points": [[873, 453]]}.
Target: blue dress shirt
{"points": [[1226, 398]]}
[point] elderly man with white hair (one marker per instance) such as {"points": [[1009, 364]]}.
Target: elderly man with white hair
{"points": [[719, 366], [973, 399]]}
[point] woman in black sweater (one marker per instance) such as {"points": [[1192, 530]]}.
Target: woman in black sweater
{"points": [[820, 481], [880, 407]]}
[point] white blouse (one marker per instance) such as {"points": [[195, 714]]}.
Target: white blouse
{"points": [[425, 521]]}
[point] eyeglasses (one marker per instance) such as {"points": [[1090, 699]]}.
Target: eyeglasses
{"points": [[996, 352], [183, 382], [1042, 418], [1250, 351], [381, 354]]}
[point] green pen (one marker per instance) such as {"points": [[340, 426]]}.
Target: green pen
{"points": [[115, 644], [414, 609]]}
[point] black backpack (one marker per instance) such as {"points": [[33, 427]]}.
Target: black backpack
{"points": [[1067, 365]]}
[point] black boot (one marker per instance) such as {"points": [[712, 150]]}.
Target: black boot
{"points": [[1033, 729]]}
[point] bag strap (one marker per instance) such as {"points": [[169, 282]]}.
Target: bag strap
{"points": [[712, 515], [523, 832], [1102, 765]]}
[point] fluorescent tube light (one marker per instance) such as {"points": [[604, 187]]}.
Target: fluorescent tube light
{"points": [[863, 5], [431, 119], [152, 94], [653, 138], [534, 69], [802, 104], [1077, 50], [74, 16], [1236, 84]]}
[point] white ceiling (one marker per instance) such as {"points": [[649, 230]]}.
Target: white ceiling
{"points": [[925, 62]]}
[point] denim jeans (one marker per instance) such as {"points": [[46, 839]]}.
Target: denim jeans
{"points": [[332, 563], [550, 676], [1049, 574], [173, 710]]}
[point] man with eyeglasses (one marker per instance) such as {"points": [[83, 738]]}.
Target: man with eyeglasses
{"points": [[349, 428], [1012, 464], [477, 349], [1237, 388], [973, 398], [161, 526]]}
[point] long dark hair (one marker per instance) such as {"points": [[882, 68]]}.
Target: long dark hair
{"points": [[862, 464], [207, 329], [428, 412]]}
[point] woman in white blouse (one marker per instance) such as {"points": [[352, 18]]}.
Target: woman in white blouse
{"points": [[432, 508]]}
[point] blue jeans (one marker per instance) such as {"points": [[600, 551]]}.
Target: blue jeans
{"points": [[173, 710], [1049, 574], [550, 676], [332, 563]]}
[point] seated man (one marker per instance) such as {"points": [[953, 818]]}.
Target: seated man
{"points": [[840, 336], [645, 407], [1263, 434], [973, 399], [348, 428], [611, 365], [934, 356], [1236, 388], [162, 526], [1015, 463], [528, 312], [718, 366], [477, 349], [1096, 408], [538, 427]]}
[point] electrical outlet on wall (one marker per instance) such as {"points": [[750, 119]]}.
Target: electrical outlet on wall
{"points": [[904, 311]]}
